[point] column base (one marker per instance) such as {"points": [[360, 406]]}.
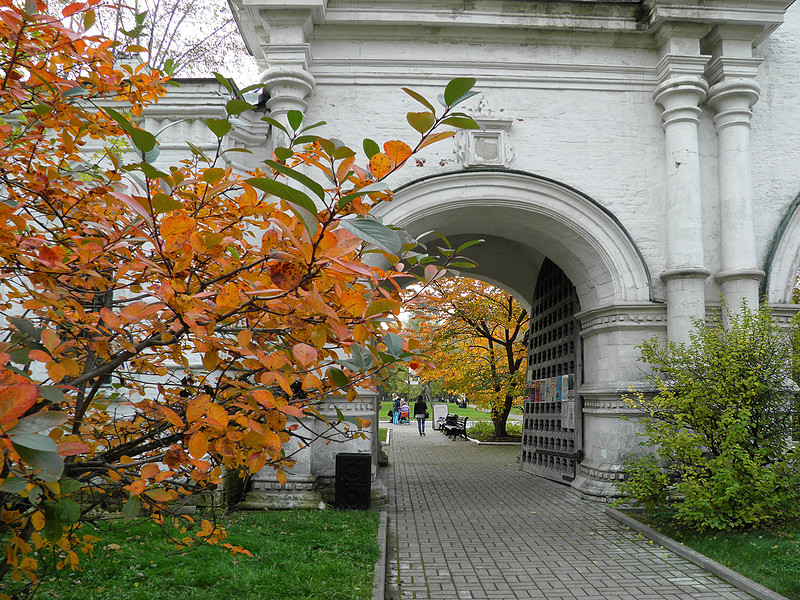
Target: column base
{"points": [[597, 482], [271, 495]]}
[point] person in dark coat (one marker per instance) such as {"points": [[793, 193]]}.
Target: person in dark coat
{"points": [[420, 413], [395, 408]]}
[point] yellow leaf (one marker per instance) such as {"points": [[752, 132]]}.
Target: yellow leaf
{"points": [[211, 360], [159, 495], [380, 165], [56, 371]]}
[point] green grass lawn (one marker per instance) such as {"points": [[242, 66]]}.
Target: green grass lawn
{"points": [[297, 555], [770, 557]]}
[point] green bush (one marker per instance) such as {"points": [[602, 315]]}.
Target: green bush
{"points": [[720, 420], [484, 430]]}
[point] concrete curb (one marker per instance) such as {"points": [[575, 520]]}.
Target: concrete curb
{"points": [[721, 571], [379, 582]]}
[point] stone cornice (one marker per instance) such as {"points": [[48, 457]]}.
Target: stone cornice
{"points": [[614, 317]]}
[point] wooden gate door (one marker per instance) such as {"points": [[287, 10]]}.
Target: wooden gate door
{"points": [[551, 430]]}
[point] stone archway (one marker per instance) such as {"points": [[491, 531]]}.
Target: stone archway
{"points": [[526, 219]]}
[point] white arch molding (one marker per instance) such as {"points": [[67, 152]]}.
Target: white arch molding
{"points": [[783, 258], [524, 218]]}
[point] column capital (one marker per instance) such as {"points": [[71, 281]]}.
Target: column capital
{"points": [[288, 89], [732, 100], [680, 98]]}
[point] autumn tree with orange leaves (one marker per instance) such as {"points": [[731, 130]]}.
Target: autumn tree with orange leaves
{"points": [[117, 278], [472, 333]]}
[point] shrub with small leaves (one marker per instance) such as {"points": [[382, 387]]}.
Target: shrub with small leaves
{"points": [[720, 419]]}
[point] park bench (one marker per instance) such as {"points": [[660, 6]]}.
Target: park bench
{"points": [[455, 426]]}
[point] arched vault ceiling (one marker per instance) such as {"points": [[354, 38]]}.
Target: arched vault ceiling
{"points": [[524, 218]]}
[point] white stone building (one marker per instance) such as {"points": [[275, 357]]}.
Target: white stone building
{"points": [[638, 162]]}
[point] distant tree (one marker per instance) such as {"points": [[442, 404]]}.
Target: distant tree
{"points": [[472, 333], [185, 38]]}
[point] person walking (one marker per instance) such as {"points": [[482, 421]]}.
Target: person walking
{"points": [[395, 409], [420, 413]]}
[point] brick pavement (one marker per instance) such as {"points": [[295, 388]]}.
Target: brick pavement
{"points": [[466, 523]]}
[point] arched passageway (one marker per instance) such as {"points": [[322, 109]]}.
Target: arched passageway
{"points": [[534, 227]]}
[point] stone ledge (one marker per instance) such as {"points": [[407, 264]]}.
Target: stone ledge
{"points": [[735, 579], [379, 581]]}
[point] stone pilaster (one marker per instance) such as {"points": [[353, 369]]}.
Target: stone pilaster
{"points": [[680, 93], [732, 95]]}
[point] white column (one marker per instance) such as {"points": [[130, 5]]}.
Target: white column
{"points": [[732, 95], [680, 92]]}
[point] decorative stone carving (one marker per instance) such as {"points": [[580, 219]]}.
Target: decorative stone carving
{"points": [[488, 146]]}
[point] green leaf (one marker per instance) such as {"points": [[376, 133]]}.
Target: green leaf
{"points": [[164, 204], [275, 123], [42, 109], [219, 127], [53, 528], [143, 140], [362, 357], [26, 327], [338, 377], [38, 422], [68, 486], [50, 464], [305, 139], [342, 152], [373, 232], [421, 121], [74, 91], [298, 177], [282, 153], [295, 119], [283, 191], [213, 175], [419, 98], [237, 107], [68, 511], [378, 186], [468, 244], [394, 344], [130, 510], [457, 88], [462, 264], [371, 148], [223, 81], [13, 485], [461, 122], [34, 441]]}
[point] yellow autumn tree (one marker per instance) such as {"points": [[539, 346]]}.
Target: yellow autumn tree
{"points": [[473, 334]]}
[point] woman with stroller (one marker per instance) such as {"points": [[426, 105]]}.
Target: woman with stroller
{"points": [[420, 413]]}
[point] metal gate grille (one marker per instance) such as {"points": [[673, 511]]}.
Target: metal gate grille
{"points": [[551, 429]]}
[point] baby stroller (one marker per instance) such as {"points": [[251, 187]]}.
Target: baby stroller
{"points": [[404, 414]]}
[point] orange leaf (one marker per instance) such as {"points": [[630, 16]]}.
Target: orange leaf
{"points": [[211, 360], [171, 416], [286, 275], [397, 151], [216, 416], [17, 395], [149, 471], [72, 448], [435, 137], [305, 354], [39, 356], [380, 165], [244, 337], [256, 461], [137, 487], [198, 445], [50, 340], [196, 408], [264, 398]]}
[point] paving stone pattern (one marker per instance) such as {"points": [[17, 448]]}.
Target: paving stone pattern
{"points": [[465, 522]]}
